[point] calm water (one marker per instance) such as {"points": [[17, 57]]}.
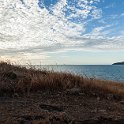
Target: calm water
{"points": [[107, 72]]}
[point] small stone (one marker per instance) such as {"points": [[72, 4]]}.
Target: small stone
{"points": [[110, 96], [74, 91], [103, 111], [81, 94], [98, 98], [94, 111], [16, 95], [122, 102]]}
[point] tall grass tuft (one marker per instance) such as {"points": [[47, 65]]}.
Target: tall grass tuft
{"points": [[18, 79]]}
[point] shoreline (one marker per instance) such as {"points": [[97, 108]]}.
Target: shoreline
{"points": [[100, 72]]}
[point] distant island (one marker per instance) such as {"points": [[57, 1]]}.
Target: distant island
{"points": [[118, 63]]}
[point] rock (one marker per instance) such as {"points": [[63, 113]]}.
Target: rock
{"points": [[98, 98], [24, 122], [61, 119], [94, 111], [110, 96], [15, 95], [73, 91], [11, 75], [27, 119], [81, 94], [122, 102], [102, 111], [51, 108]]}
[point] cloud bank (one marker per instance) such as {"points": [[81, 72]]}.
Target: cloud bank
{"points": [[28, 29]]}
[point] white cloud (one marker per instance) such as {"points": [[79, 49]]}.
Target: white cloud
{"points": [[28, 30], [122, 14]]}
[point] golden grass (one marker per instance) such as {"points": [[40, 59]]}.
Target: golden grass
{"points": [[17, 79]]}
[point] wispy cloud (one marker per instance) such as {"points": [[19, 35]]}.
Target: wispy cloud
{"points": [[122, 14], [28, 30]]}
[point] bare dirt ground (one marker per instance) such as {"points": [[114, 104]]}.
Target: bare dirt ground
{"points": [[45, 107]]}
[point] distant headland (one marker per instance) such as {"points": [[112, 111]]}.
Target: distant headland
{"points": [[118, 63]]}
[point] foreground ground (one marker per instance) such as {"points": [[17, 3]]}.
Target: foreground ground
{"points": [[29, 96], [60, 108]]}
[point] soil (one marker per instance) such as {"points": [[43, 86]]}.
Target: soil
{"points": [[58, 107]]}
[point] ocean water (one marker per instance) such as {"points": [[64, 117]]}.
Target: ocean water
{"points": [[106, 72]]}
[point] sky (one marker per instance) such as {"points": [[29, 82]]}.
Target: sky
{"points": [[76, 32]]}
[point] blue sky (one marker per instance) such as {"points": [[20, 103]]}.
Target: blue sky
{"points": [[62, 31]]}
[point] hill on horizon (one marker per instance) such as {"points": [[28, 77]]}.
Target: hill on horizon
{"points": [[118, 63]]}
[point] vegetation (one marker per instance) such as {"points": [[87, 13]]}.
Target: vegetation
{"points": [[20, 80], [118, 63], [48, 97]]}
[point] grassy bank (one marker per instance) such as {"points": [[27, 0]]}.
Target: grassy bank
{"points": [[20, 80]]}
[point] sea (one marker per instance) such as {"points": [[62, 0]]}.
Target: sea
{"points": [[104, 72]]}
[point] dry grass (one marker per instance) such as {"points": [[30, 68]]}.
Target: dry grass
{"points": [[16, 79]]}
